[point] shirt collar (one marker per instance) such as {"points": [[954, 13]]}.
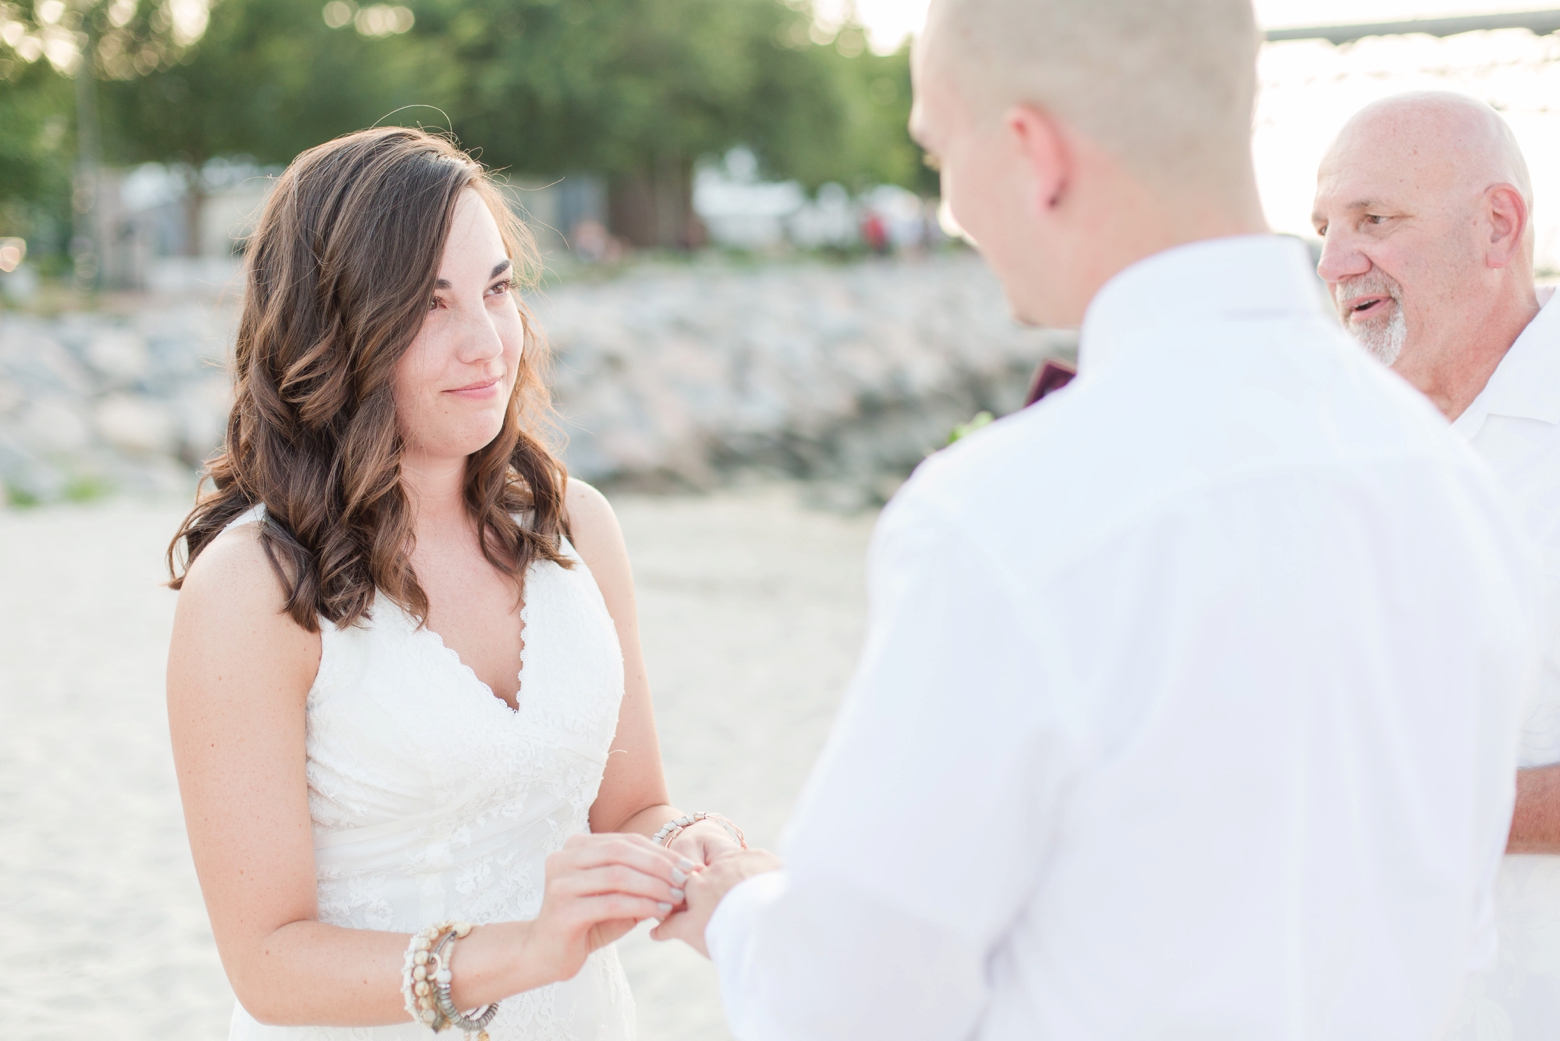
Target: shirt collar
{"points": [[1247, 276], [1526, 383]]}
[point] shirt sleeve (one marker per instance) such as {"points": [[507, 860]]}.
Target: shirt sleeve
{"points": [[921, 832]]}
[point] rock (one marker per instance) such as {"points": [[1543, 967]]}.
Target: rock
{"points": [[10, 397], [119, 356], [138, 425], [201, 414], [54, 425], [27, 477], [666, 376], [850, 373], [36, 361]]}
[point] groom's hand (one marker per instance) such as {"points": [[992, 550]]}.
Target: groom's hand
{"points": [[707, 888], [704, 842]]}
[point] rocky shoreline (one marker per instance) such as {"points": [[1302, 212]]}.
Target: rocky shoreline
{"points": [[666, 376]]}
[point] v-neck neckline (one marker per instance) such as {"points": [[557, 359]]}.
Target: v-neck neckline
{"points": [[461, 666]]}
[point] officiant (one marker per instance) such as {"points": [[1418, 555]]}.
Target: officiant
{"points": [[1424, 204]]}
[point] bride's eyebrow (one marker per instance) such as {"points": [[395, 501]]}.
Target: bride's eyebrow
{"points": [[498, 269]]}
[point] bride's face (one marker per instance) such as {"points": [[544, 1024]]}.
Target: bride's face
{"points": [[453, 384]]}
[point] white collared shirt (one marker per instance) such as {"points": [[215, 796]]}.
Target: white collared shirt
{"points": [[1187, 709], [1514, 424]]}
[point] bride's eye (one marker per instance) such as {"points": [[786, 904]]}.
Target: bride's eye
{"points": [[500, 288]]}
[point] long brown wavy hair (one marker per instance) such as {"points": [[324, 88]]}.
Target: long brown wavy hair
{"points": [[340, 271]]}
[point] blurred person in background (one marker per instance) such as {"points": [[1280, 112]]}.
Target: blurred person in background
{"points": [[406, 644], [1188, 705], [1424, 203]]}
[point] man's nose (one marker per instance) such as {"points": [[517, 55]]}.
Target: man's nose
{"points": [[1341, 258]]}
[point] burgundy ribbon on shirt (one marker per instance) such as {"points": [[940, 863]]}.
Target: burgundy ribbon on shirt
{"points": [[1052, 375]]}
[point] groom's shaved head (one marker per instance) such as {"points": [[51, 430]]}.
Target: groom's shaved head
{"points": [[1168, 86]]}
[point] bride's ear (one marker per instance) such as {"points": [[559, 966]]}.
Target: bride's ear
{"points": [[1042, 147]]}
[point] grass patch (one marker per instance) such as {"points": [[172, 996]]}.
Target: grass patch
{"points": [[87, 489], [20, 498]]}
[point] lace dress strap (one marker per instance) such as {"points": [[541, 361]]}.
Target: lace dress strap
{"points": [[252, 515]]}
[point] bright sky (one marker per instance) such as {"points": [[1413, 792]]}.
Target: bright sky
{"points": [[1309, 88], [890, 21]]}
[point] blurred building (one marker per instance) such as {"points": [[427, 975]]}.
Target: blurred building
{"points": [[741, 211], [169, 230], [166, 230]]}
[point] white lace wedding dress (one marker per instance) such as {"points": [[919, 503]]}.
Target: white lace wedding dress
{"points": [[433, 800]]}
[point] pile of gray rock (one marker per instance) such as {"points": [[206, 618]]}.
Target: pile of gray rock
{"points": [[666, 375], [95, 402]]}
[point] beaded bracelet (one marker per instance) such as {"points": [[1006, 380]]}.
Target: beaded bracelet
{"points": [[426, 979], [476, 1022], [416, 990], [671, 829]]}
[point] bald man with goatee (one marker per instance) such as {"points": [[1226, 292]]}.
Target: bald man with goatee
{"points": [[1188, 703], [1424, 204]]}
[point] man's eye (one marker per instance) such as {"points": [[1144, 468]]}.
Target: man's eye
{"points": [[1375, 218]]}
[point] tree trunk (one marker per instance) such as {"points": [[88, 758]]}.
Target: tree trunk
{"points": [[653, 209], [84, 244], [194, 206]]}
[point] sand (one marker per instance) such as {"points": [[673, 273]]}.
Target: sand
{"points": [[752, 610]]}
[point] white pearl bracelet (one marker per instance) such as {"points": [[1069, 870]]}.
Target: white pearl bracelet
{"points": [[671, 829]]}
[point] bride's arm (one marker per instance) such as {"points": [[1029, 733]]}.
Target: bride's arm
{"points": [[239, 672], [633, 794]]}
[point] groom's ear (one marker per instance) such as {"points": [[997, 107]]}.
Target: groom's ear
{"points": [[1042, 147]]}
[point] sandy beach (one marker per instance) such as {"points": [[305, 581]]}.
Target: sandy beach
{"points": [[751, 605]]}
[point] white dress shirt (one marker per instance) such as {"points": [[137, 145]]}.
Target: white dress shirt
{"points": [[1188, 706], [1514, 424]]}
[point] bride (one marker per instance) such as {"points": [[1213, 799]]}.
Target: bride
{"points": [[409, 710]]}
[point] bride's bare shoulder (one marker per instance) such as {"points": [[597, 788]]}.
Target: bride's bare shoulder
{"points": [[234, 562], [593, 526], [232, 586], [596, 536]]}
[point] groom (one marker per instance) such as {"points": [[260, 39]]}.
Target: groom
{"points": [[1188, 706]]}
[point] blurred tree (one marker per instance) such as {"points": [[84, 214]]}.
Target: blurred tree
{"points": [[640, 89], [36, 153], [855, 131], [636, 90], [89, 40], [269, 79]]}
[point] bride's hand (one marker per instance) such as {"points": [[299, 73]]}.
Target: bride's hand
{"points": [[598, 888], [703, 842]]}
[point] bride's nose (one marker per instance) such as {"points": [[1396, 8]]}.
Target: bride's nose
{"points": [[476, 337]]}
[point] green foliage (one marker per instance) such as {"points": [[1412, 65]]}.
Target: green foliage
{"points": [[87, 489], [18, 497], [37, 147], [607, 85], [541, 87], [268, 80], [963, 430], [617, 86], [839, 118]]}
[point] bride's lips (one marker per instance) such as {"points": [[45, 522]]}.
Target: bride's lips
{"points": [[1363, 306], [477, 391]]}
